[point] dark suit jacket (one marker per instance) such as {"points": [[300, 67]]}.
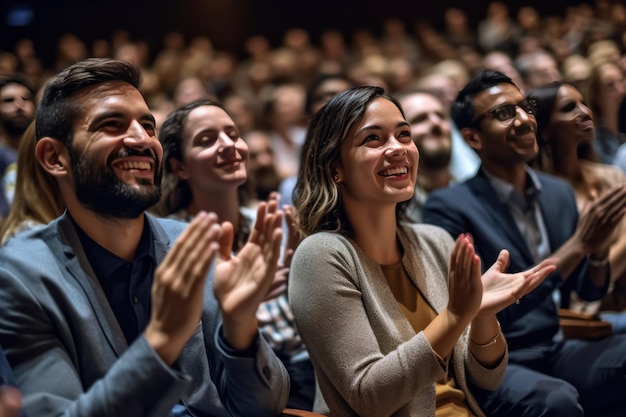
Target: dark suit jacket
{"points": [[473, 207], [70, 357]]}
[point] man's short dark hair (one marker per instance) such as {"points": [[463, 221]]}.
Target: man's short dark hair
{"points": [[57, 109], [462, 111]]}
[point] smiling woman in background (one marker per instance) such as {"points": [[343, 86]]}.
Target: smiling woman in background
{"points": [[205, 163], [565, 133]]}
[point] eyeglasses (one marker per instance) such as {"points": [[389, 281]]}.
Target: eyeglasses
{"points": [[508, 112]]}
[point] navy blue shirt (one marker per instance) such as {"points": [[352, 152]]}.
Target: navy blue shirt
{"points": [[127, 284]]}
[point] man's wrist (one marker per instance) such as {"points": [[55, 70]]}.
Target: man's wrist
{"points": [[249, 352], [164, 346]]}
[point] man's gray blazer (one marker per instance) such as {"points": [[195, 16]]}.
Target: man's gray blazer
{"points": [[70, 357]]}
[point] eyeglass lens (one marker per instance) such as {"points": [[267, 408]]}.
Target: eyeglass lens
{"points": [[508, 111]]}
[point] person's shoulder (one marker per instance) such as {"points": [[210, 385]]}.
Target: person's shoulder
{"points": [[320, 246], [429, 232], [316, 252], [423, 228], [611, 174], [31, 246], [323, 240], [171, 226], [451, 194], [552, 181]]}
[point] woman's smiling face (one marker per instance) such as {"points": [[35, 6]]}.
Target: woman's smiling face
{"points": [[214, 154], [571, 122], [379, 159]]}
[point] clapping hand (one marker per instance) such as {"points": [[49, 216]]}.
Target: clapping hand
{"points": [[599, 219], [279, 285], [464, 284], [242, 282], [500, 290], [178, 287], [473, 295]]}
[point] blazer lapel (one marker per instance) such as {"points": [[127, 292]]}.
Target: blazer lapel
{"points": [[160, 239], [549, 202], [499, 213], [70, 252]]}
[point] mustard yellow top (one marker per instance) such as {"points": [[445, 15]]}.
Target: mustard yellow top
{"points": [[449, 399]]}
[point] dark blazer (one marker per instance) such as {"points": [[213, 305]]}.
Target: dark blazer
{"points": [[70, 357], [474, 207]]}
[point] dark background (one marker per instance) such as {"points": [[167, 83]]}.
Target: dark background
{"points": [[226, 22]]}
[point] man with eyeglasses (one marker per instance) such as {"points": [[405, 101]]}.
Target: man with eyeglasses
{"points": [[509, 206]]}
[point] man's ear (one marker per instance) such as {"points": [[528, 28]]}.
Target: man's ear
{"points": [[53, 156], [178, 168], [470, 136]]}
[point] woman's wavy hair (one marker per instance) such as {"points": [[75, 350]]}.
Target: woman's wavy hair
{"points": [[316, 196]]}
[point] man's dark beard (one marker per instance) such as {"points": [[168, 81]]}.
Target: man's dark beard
{"points": [[13, 128], [434, 161], [104, 194]]}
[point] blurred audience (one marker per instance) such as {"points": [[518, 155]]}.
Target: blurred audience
{"points": [[17, 111], [537, 68], [605, 96], [273, 90], [38, 198], [431, 132], [464, 161], [318, 92], [262, 172], [283, 113]]}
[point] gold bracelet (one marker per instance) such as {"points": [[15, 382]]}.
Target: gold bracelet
{"points": [[492, 341], [598, 263]]}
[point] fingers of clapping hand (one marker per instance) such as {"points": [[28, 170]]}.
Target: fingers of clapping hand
{"points": [[227, 238], [502, 263], [600, 217], [292, 225], [287, 257], [465, 284], [189, 259], [274, 196], [616, 203], [177, 290], [535, 276], [501, 289], [464, 256], [268, 231], [11, 401], [279, 284], [609, 208]]}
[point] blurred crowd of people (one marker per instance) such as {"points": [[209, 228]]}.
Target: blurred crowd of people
{"points": [[569, 71]]}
